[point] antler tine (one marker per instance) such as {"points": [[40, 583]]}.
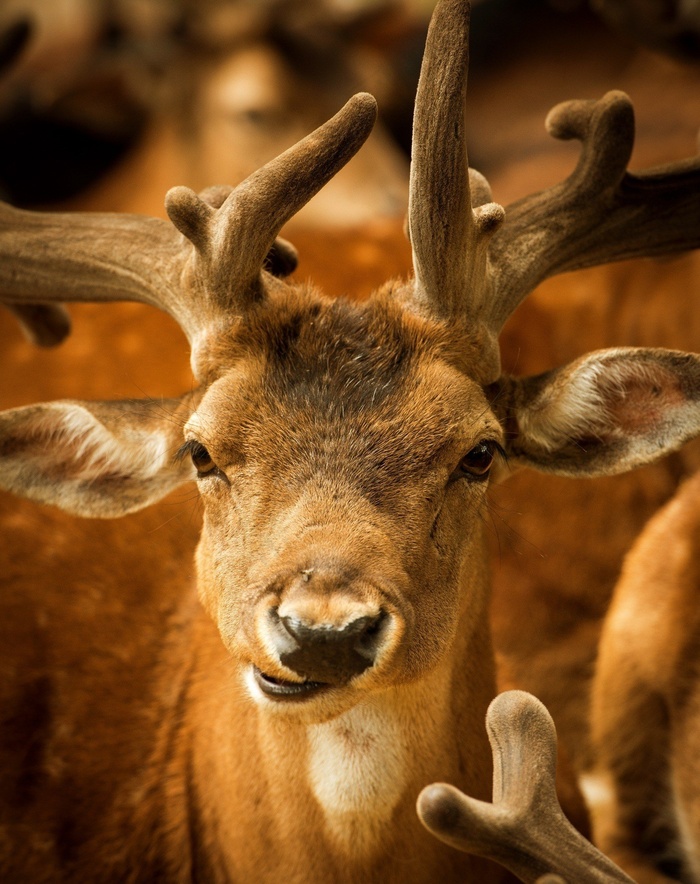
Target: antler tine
{"points": [[524, 829], [601, 213], [81, 256], [231, 242], [110, 257], [448, 237]]}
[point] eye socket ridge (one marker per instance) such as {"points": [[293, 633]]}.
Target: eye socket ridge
{"points": [[477, 462]]}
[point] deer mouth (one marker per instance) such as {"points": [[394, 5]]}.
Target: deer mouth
{"points": [[278, 689]]}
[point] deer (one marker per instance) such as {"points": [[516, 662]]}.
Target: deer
{"points": [[645, 777], [335, 639]]}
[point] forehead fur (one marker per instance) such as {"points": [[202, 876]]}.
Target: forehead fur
{"points": [[333, 352], [336, 355], [337, 382], [334, 345]]}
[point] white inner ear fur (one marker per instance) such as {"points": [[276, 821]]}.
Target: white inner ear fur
{"points": [[585, 400], [95, 450]]}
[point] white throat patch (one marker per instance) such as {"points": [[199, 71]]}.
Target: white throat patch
{"points": [[358, 765]]}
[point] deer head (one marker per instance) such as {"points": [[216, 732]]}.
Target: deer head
{"points": [[343, 451]]}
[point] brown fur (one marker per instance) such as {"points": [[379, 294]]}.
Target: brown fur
{"points": [[167, 380], [645, 700], [206, 679], [277, 519]]}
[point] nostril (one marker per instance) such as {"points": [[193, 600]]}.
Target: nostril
{"points": [[303, 631], [328, 653], [370, 635]]}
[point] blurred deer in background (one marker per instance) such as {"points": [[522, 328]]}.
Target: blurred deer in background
{"points": [[218, 88], [342, 451], [645, 702]]}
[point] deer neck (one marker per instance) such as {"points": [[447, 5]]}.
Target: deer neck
{"points": [[352, 781]]}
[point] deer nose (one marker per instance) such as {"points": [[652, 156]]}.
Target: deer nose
{"points": [[324, 652]]}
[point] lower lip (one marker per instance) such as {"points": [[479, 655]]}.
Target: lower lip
{"points": [[287, 691]]}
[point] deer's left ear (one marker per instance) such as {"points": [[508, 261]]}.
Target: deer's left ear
{"points": [[605, 413]]}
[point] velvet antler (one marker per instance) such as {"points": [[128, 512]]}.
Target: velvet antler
{"points": [[473, 269], [203, 280], [524, 829]]}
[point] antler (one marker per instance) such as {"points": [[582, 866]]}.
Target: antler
{"points": [[448, 236], [524, 829], [466, 268], [601, 212], [202, 281]]}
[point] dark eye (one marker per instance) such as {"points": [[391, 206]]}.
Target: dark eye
{"points": [[201, 459], [477, 462]]}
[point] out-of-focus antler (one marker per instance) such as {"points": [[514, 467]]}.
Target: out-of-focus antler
{"points": [[204, 280], [524, 829]]}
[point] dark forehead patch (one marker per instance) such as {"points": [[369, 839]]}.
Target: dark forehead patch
{"points": [[365, 393], [340, 353], [346, 392]]}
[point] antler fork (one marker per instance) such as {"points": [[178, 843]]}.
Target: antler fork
{"points": [[524, 829], [473, 268], [203, 280]]}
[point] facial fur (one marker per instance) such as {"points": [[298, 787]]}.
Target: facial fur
{"points": [[336, 433]]}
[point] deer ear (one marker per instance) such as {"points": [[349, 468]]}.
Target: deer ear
{"points": [[606, 413], [97, 459]]}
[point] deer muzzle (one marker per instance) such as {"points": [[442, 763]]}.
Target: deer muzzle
{"points": [[326, 629], [330, 653]]}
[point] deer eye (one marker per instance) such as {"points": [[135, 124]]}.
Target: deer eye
{"points": [[201, 458], [477, 462]]}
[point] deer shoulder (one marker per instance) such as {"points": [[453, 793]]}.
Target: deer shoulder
{"points": [[645, 698]]}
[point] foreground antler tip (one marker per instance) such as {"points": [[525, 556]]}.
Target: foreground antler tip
{"points": [[438, 808], [514, 705], [524, 828]]}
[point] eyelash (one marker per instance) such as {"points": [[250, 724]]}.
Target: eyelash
{"points": [[199, 455]]}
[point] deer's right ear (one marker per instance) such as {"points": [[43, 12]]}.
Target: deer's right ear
{"points": [[606, 413], [100, 460]]}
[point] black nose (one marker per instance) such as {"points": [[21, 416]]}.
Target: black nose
{"points": [[326, 653]]}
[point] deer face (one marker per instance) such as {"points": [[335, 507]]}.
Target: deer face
{"points": [[342, 450], [342, 457]]}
